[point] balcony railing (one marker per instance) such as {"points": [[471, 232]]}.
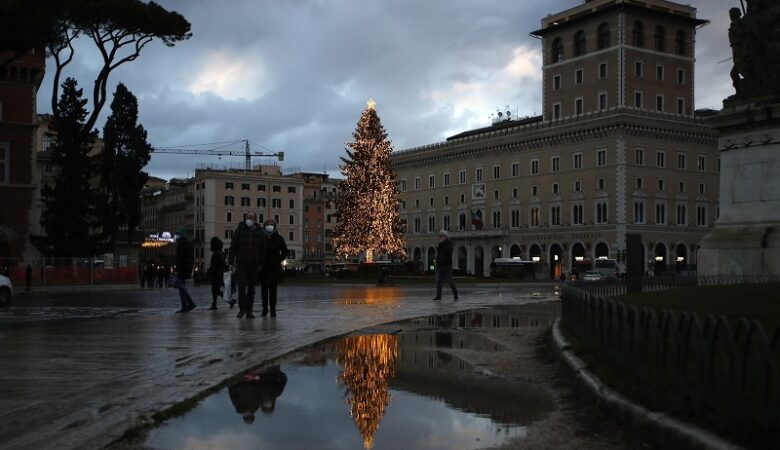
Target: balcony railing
{"points": [[483, 233]]}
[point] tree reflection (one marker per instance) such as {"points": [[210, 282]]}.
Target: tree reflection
{"points": [[370, 362]]}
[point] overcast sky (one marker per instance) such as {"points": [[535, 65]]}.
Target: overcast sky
{"points": [[294, 75]]}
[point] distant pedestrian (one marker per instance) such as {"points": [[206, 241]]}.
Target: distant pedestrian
{"points": [[246, 252], [7, 272], [162, 275], [216, 270], [28, 277], [274, 253], [185, 259], [444, 265]]}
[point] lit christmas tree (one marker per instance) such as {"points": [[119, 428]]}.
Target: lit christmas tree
{"points": [[370, 363], [367, 204]]}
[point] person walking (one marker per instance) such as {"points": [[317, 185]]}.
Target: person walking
{"points": [[246, 252], [444, 265], [28, 277], [185, 259], [216, 270], [275, 251]]}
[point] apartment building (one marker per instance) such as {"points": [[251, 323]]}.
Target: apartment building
{"points": [[215, 202], [619, 165], [20, 78]]}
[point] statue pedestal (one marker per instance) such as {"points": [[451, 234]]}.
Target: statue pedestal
{"points": [[746, 237]]}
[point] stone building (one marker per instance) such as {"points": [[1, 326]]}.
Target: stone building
{"points": [[215, 202], [20, 78], [619, 165]]}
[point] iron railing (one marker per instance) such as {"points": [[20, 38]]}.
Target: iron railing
{"points": [[725, 370]]}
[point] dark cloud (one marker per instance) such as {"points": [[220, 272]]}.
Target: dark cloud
{"points": [[295, 75]]}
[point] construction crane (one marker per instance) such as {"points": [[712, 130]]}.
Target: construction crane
{"points": [[222, 149]]}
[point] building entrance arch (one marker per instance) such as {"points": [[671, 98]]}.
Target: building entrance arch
{"points": [[601, 251], [681, 258], [479, 261], [556, 261], [514, 251], [462, 258], [580, 262], [659, 258]]}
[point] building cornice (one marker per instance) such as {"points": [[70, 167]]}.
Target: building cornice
{"points": [[542, 135]]}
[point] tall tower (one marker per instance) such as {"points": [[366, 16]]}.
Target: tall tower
{"points": [[619, 55]]}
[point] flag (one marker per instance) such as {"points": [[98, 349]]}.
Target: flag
{"points": [[476, 219]]}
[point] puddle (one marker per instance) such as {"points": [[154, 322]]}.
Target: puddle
{"points": [[544, 315], [380, 391]]}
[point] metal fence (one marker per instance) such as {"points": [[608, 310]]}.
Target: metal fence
{"points": [[611, 288], [726, 371], [71, 271]]}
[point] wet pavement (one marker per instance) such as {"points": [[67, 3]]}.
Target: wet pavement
{"points": [[79, 369], [402, 390]]}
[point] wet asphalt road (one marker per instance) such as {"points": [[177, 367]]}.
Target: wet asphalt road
{"points": [[81, 367]]}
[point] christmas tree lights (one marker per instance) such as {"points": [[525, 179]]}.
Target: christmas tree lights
{"points": [[368, 199]]}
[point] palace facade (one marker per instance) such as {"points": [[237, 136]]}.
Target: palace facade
{"points": [[619, 165]]}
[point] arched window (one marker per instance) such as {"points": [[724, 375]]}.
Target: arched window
{"points": [[604, 37], [557, 50], [638, 34], [660, 38], [679, 43], [580, 43]]}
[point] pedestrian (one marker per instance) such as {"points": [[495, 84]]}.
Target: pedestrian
{"points": [[161, 275], [216, 270], [444, 265], [245, 257], [185, 259], [274, 253], [28, 277], [7, 272]]}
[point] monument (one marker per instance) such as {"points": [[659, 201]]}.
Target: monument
{"points": [[746, 237]]}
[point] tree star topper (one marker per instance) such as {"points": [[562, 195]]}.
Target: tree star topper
{"points": [[371, 104]]}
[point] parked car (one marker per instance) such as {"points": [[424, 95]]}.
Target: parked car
{"points": [[592, 275], [6, 291]]}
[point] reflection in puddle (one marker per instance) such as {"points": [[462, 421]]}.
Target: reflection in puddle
{"points": [[365, 391], [543, 316], [369, 295]]}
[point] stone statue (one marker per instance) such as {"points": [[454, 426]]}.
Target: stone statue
{"points": [[755, 45]]}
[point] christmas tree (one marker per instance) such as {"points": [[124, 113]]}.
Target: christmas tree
{"points": [[370, 363], [367, 204]]}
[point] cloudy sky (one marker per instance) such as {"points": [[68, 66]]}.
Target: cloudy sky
{"points": [[294, 75]]}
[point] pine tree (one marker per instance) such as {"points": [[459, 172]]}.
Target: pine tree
{"points": [[367, 203], [70, 202], [125, 153]]}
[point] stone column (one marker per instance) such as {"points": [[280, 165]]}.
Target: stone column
{"points": [[746, 236]]}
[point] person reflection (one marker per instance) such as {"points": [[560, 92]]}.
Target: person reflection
{"points": [[257, 391]]}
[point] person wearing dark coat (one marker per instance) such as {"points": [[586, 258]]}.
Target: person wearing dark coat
{"points": [[257, 391], [216, 270], [444, 265], [185, 260], [246, 252], [275, 252]]}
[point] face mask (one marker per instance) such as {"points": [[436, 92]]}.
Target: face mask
{"points": [[250, 223], [269, 228]]}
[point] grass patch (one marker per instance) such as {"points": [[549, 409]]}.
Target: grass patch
{"points": [[667, 398], [753, 301]]}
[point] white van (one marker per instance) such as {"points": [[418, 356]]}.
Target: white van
{"points": [[606, 267]]}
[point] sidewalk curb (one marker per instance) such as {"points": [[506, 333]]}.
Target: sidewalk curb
{"points": [[666, 430]]}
